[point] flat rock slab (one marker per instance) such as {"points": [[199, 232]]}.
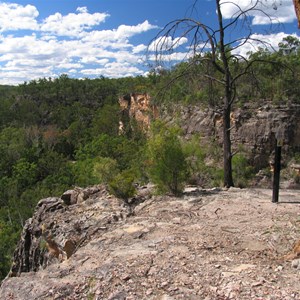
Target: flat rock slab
{"points": [[227, 245]]}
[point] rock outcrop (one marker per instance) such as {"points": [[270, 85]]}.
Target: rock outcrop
{"points": [[208, 244], [252, 128], [297, 10], [60, 226], [139, 108]]}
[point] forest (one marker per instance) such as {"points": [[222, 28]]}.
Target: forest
{"points": [[57, 133]]}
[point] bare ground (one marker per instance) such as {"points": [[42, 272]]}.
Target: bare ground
{"points": [[213, 244]]}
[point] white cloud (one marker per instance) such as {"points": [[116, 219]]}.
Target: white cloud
{"points": [[69, 65], [93, 60], [69, 43], [72, 71], [171, 58], [269, 41], [15, 17], [166, 43], [265, 12], [72, 24], [75, 44], [117, 36], [82, 9], [139, 48], [125, 31], [114, 70]]}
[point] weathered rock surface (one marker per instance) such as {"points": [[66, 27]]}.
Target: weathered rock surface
{"points": [[214, 244], [70, 221], [252, 128], [139, 108]]}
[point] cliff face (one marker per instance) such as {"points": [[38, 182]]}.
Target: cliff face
{"points": [[297, 10], [59, 226], [138, 107], [252, 128], [208, 244]]}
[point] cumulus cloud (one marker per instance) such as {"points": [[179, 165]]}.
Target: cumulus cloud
{"points": [[170, 58], [129, 31], [270, 42], [139, 48], [118, 36], [75, 44], [264, 12], [166, 43], [72, 24], [82, 9], [15, 17], [70, 43], [115, 70], [94, 60]]}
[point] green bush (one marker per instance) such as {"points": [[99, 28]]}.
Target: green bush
{"points": [[216, 176], [195, 156], [122, 185], [83, 171], [9, 235], [105, 169], [242, 171], [167, 166]]}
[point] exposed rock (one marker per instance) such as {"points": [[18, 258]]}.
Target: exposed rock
{"points": [[252, 128], [296, 263], [208, 244], [30, 253], [79, 195], [297, 9], [138, 107], [60, 226]]}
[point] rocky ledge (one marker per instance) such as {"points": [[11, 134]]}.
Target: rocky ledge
{"points": [[208, 244]]}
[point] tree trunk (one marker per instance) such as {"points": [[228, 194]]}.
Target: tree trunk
{"points": [[228, 99], [227, 156]]}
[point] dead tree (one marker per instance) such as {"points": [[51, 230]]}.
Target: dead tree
{"points": [[214, 46]]}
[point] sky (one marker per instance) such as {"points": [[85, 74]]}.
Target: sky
{"points": [[93, 38]]}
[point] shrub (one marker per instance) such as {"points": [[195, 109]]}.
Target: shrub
{"points": [[122, 185], [83, 171], [242, 171], [195, 155], [105, 169], [167, 167]]}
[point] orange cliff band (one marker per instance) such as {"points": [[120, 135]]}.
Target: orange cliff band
{"points": [[297, 9]]}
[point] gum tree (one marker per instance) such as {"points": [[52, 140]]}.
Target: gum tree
{"points": [[219, 52]]}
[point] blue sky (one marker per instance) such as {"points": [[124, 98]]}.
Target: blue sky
{"points": [[92, 38]]}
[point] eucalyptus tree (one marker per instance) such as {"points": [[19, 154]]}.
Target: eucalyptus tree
{"points": [[220, 48]]}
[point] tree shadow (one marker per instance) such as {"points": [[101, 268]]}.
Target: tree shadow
{"points": [[196, 191]]}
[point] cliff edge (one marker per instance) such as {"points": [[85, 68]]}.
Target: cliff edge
{"points": [[208, 244]]}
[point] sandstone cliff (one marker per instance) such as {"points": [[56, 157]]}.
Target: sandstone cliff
{"points": [[208, 244], [252, 128], [139, 108]]}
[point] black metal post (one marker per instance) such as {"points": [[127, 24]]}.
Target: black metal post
{"points": [[276, 176]]}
